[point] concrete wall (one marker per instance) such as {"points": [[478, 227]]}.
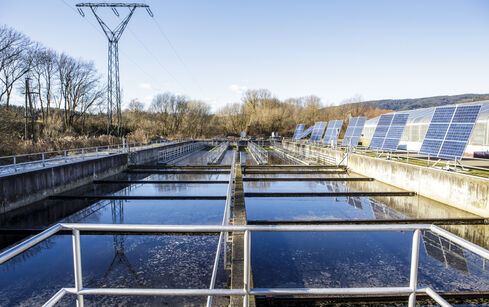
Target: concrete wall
{"points": [[465, 192], [23, 188]]}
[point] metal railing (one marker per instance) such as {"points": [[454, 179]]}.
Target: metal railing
{"points": [[308, 154], [216, 153], [172, 153], [259, 154], [223, 235], [49, 158], [80, 291]]}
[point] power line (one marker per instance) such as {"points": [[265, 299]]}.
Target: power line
{"points": [[177, 54], [158, 61], [167, 39]]}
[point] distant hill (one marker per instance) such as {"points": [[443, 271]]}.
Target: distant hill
{"points": [[427, 102]]}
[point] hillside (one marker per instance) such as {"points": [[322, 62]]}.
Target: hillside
{"points": [[426, 102]]}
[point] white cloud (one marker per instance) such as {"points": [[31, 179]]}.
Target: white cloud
{"points": [[238, 89], [145, 86]]}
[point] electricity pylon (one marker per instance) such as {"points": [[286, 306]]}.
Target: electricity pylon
{"points": [[114, 125]]}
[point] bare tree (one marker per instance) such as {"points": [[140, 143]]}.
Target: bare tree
{"points": [[14, 60], [79, 86], [43, 71]]}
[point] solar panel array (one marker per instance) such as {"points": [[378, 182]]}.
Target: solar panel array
{"points": [[332, 132], [298, 130], [449, 131], [354, 131], [389, 131], [304, 133], [317, 132]]}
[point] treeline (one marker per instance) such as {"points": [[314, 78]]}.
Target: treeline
{"points": [[259, 113]]}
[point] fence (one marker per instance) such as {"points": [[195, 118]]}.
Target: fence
{"points": [[259, 154], [172, 153], [80, 291], [13, 164], [216, 153]]}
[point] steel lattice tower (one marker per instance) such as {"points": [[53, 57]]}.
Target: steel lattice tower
{"points": [[114, 122]]}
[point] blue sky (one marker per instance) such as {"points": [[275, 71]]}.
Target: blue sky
{"points": [[332, 49]]}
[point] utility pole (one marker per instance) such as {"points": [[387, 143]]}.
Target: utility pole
{"points": [[113, 36], [29, 113]]}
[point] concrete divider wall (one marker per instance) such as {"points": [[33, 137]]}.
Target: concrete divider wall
{"points": [[23, 188], [469, 193]]}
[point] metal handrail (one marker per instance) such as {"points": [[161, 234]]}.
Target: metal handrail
{"points": [[80, 291], [69, 155], [223, 235], [217, 152], [259, 154], [169, 154]]}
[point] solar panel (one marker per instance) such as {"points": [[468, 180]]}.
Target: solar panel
{"points": [[354, 131], [381, 131], [317, 132], [394, 133], [389, 131], [304, 133], [298, 130], [449, 131], [332, 132]]}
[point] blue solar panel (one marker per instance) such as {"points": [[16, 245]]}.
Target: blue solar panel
{"points": [[333, 131], [459, 132], [449, 131], [430, 147], [298, 130], [317, 132], [452, 149], [381, 131], [376, 143], [394, 134], [353, 131], [385, 120], [443, 115], [305, 133], [436, 131], [466, 114]]}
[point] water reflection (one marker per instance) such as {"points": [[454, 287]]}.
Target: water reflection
{"points": [[120, 259]]}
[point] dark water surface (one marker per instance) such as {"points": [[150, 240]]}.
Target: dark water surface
{"points": [[353, 259]]}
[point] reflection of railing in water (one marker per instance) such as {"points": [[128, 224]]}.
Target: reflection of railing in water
{"points": [[80, 291], [259, 154], [172, 153]]}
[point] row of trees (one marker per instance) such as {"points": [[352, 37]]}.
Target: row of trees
{"points": [[259, 113], [64, 89]]}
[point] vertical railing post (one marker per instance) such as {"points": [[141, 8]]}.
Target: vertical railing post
{"points": [[77, 266], [43, 162], [247, 268], [413, 279], [64, 154], [83, 154], [15, 163]]}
